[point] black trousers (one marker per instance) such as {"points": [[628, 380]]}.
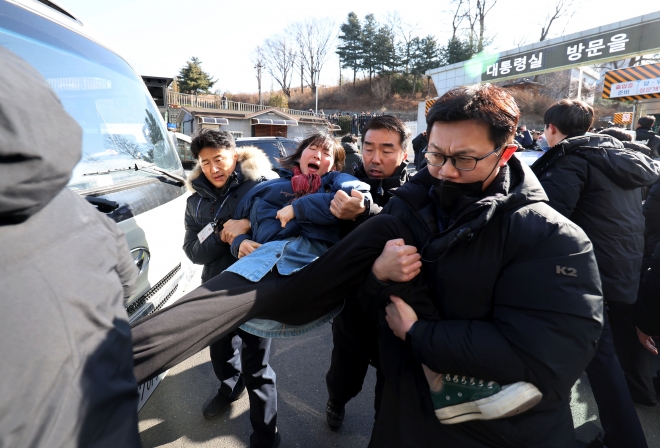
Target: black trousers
{"points": [[219, 306], [636, 361], [615, 407], [355, 347], [240, 360]]}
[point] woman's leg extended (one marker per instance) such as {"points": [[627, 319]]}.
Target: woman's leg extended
{"points": [[219, 306]]}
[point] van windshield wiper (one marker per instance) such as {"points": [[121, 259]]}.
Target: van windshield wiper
{"points": [[148, 168], [179, 179], [94, 173]]}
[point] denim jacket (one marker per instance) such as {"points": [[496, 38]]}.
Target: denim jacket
{"points": [[291, 248]]}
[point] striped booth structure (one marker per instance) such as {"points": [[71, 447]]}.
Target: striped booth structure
{"points": [[641, 82]]}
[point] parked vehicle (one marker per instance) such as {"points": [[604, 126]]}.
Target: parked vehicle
{"points": [[182, 143], [275, 147], [129, 167]]}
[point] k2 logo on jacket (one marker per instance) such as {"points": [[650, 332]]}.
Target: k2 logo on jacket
{"points": [[563, 270]]}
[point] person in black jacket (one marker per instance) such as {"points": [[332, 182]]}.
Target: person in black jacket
{"points": [[646, 136], [355, 337], [646, 311], [353, 157], [222, 177], [419, 144], [513, 288], [524, 138], [596, 183]]}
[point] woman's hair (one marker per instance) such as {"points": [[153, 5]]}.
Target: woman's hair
{"points": [[318, 139]]}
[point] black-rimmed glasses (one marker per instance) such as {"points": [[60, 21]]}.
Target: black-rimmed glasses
{"points": [[463, 163]]}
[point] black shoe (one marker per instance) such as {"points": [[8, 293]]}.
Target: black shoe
{"points": [[645, 401], [334, 414], [277, 440], [219, 403], [597, 442]]}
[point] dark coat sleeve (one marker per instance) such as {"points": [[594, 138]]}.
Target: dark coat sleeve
{"points": [[200, 253], [315, 208], [546, 321], [563, 183], [646, 311]]}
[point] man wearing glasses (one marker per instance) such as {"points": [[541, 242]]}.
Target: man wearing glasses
{"points": [[513, 292]]}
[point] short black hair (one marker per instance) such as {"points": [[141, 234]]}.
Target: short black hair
{"points": [[391, 123], [210, 138], [350, 138], [318, 139], [617, 133], [571, 117], [484, 103], [646, 122]]}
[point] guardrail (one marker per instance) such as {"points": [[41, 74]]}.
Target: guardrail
{"points": [[216, 102]]}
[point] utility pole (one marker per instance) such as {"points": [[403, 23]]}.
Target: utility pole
{"points": [[259, 67], [340, 74]]}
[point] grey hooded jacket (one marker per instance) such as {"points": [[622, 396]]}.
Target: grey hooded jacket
{"points": [[66, 370], [597, 183]]}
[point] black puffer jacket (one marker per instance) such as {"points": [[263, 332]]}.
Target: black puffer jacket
{"points": [[381, 188], [517, 288], [596, 183], [381, 192], [647, 137], [353, 158], [209, 204]]}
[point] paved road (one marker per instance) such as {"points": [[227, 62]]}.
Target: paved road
{"points": [[173, 415]]}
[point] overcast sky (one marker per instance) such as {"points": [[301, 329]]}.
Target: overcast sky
{"points": [[159, 36]]}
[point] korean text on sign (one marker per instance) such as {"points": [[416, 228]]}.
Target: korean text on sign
{"points": [[519, 64], [596, 47]]}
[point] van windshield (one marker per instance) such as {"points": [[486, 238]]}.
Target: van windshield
{"points": [[121, 126]]}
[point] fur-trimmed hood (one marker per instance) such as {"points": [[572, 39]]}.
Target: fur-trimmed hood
{"points": [[253, 162]]}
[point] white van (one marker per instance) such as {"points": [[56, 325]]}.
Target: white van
{"points": [[129, 168]]}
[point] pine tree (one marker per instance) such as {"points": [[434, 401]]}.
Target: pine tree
{"points": [[457, 50], [369, 61], [192, 79], [425, 56], [351, 50]]}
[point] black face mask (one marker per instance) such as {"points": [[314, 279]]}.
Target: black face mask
{"points": [[449, 192]]}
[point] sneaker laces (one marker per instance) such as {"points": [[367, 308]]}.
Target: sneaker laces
{"points": [[472, 381]]}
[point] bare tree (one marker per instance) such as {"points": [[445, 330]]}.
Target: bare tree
{"points": [[406, 32], [456, 21], [280, 56], [476, 16], [563, 8], [315, 41]]}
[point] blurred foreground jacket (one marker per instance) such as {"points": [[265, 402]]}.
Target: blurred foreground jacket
{"points": [[66, 369]]}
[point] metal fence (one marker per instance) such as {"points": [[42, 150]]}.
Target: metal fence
{"points": [[216, 102], [354, 124]]}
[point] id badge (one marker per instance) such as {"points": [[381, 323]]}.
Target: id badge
{"points": [[205, 232]]}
